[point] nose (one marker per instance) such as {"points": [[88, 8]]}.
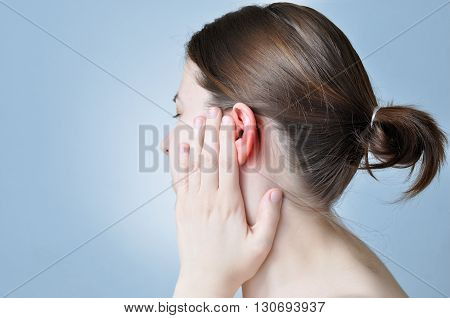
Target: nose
{"points": [[164, 145]]}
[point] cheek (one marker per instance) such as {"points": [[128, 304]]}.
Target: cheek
{"points": [[182, 133]]}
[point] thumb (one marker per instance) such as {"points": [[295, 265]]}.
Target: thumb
{"points": [[267, 217]]}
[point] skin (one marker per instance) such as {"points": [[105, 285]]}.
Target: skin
{"points": [[306, 252]]}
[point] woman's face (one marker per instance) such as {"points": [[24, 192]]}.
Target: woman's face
{"points": [[190, 102]]}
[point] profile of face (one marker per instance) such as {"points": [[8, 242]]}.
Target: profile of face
{"points": [[192, 101]]}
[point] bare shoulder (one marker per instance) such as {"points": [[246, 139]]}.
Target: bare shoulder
{"points": [[372, 286], [360, 280], [360, 273]]}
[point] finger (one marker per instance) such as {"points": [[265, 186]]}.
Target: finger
{"points": [[174, 160], [183, 186], [176, 137], [267, 219], [210, 150], [195, 153], [228, 164]]}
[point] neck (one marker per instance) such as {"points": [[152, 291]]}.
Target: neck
{"points": [[300, 245]]}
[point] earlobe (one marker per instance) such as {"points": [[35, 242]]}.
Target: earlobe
{"points": [[245, 131]]}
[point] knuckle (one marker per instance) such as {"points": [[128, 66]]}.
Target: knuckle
{"points": [[223, 162], [207, 159]]}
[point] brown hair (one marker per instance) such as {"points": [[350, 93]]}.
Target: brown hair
{"points": [[292, 65]]}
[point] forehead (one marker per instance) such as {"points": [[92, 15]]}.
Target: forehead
{"points": [[189, 91]]}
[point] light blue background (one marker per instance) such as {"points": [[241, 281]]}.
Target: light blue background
{"points": [[69, 142]]}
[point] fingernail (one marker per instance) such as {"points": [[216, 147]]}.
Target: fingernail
{"points": [[212, 112], [275, 196], [198, 122], [226, 119]]}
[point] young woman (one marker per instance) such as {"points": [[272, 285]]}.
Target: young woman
{"points": [[275, 98]]}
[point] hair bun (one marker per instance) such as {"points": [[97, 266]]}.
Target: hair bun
{"points": [[400, 136]]}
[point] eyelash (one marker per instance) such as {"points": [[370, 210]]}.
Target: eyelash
{"points": [[176, 115]]}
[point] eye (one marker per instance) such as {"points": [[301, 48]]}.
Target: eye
{"points": [[176, 115]]}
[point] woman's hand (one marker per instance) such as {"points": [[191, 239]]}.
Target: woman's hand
{"points": [[218, 250]]}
